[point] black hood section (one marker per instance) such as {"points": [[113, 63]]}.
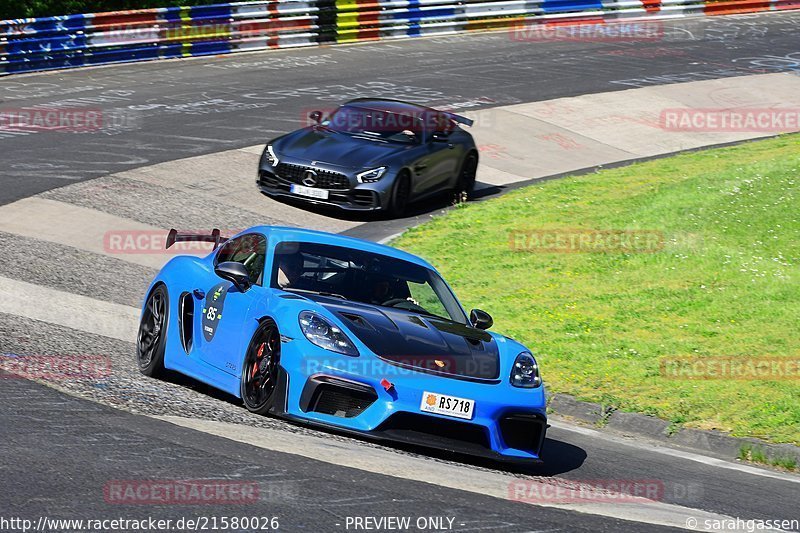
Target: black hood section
{"points": [[421, 342], [338, 149]]}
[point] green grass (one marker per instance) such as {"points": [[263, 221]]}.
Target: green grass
{"points": [[725, 284], [755, 454]]}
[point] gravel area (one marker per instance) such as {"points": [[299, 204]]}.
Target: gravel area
{"points": [[158, 206], [67, 269], [125, 388]]}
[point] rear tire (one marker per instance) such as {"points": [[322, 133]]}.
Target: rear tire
{"points": [[466, 178], [401, 194], [151, 341], [259, 381]]}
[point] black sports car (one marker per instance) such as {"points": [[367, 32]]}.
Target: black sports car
{"points": [[372, 154]]}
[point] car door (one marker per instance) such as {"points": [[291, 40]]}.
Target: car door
{"points": [[438, 164], [226, 311]]}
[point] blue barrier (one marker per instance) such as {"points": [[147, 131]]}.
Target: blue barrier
{"points": [[171, 32]]}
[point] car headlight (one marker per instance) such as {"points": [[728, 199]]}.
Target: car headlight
{"points": [[525, 372], [325, 335], [270, 157], [371, 175]]}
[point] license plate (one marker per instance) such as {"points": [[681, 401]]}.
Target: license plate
{"points": [[311, 192], [442, 404]]}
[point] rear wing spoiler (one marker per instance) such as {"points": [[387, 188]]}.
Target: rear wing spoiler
{"points": [[461, 120], [214, 237]]}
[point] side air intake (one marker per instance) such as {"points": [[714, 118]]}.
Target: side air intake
{"points": [[186, 319]]}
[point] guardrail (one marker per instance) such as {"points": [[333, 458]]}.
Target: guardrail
{"points": [[140, 35]]}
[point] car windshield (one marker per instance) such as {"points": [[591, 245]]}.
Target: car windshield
{"points": [[364, 277], [387, 126]]}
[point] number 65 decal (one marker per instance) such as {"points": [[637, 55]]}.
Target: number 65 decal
{"points": [[212, 312]]}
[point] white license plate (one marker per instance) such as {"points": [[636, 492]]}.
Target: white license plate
{"points": [[311, 192], [442, 404]]}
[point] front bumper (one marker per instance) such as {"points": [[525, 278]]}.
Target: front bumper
{"points": [[363, 197], [346, 394]]}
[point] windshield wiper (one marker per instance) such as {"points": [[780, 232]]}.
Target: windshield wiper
{"points": [[366, 138], [321, 293], [326, 128]]}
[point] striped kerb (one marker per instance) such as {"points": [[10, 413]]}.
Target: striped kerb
{"points": [[122, 36], [357, 20], [742, 6]]}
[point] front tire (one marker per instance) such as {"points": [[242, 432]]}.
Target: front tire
{"points": [[466, 178], [259, 380], [401, 195], [151, 341]]}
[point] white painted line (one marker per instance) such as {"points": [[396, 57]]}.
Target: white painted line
{"points": [[352, 454], [69, 310], [391, 237], [651, 446], [256, 149], [75, 226]]}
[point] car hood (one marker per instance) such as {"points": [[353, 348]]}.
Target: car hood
{"points": [[418, 341], [337, 149]]}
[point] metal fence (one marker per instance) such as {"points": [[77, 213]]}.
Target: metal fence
{"points": [[123, 36]]}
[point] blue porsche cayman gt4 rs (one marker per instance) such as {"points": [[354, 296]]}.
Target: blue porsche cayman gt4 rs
{"points": [[343, 333], [372, 154]]}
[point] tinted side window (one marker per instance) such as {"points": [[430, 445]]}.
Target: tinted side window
{"points": [[249, 250], [444, 123]]}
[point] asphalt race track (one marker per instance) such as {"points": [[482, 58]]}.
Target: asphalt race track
{"points": [[174, 109], [61, 448], [305, 495]]}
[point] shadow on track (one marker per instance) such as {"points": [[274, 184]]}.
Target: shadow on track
{"points": [[558, 457], [416, 209], [377, 226]]}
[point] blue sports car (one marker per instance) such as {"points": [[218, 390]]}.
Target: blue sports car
{"points": [[372, 154], [343, 333]]}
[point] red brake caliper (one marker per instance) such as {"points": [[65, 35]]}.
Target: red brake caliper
{"points": [[259, 355]]}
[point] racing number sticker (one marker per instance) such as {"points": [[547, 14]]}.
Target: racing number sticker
{"points": [[212, 312]]}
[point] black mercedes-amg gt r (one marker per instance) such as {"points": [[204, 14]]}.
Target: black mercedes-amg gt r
{"points": [[372, 154]]}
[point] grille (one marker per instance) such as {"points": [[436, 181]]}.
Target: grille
{"points": [[267, 180], [365, 198], [339, 401], [326, 179], [447, 433], [523, 432]]}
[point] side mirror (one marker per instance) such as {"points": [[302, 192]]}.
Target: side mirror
{"points": [[316, 116], [480, 319], [440, 137], [234, 272]]}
